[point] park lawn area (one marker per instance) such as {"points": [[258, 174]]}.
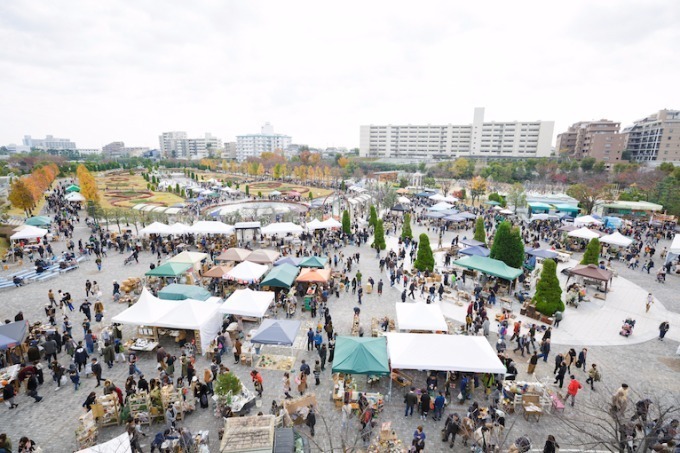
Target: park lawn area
{"points": [[125, 191], [20, 213], [269, 186]]}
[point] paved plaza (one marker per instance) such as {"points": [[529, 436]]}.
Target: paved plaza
{"points": [[647, 365]]}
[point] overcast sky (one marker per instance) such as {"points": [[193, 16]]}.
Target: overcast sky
{"points": [[100, 71]]}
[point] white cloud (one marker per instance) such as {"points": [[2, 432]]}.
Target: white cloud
{"points": [[102, 71]]}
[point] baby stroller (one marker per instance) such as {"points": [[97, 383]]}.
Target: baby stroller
{"points": [[521, 445], [627, 328], [129, 259], [661, 277]]}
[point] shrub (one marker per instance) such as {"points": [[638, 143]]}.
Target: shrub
{"points": [[425, 259], [592, 253], [548, 297]]}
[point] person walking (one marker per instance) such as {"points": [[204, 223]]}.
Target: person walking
{"points": [[439, 403], [561, 372], [593, 376], [323, 351], [545, 349], [663, 328], [97, 371], [311, 420], [237, 351], [532, 363], [257, 382], [572, 389], [8, 394], [317, 373], [286, 385], [582, 357], [650, 301], [310, 339]]}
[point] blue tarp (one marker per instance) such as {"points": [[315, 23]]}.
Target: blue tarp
{"points": [[13, 334], [542, 253], [476, 250]]}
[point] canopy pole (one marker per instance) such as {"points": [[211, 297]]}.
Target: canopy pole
{"points": [[390, 387]]}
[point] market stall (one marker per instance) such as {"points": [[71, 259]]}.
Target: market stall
{"points": [[39, 221], [468, 354], [282, 276], [29, 232], [169, 270], [155, 228], [310, 275], [281, 228], [584, 233], [288, 260], [317, 262], [420, 317], [74, 198], [203, 318], [246, 272], [217, 271], [234, 254], [252, 434], [193, 258], [211, 227], [276, 332], [617, 239], [176, 291], [263, 256], [475, 251], [358, 355], [593, 273], [246, 302]]}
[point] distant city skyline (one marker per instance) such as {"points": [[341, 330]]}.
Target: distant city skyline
{"points": [[119, 71]]}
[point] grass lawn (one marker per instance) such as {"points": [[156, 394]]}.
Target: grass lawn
{"points": [[125, 191], [20, 213]]}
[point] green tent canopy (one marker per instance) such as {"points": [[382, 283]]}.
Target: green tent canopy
{"points": [[361, 355], [176, 291], [282, 276], [489, 266], [492, 203], [538, 207], [39, 220], [72, 188], [318, 262], [169, 270]]}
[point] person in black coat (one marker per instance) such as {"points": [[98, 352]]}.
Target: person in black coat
{"points": [[97, 371]]}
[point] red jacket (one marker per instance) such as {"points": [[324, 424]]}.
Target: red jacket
{"points": [[574, 387]]}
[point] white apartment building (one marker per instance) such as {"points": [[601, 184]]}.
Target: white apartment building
{"points": [[655, 139], [173, 144], [442, 142], [207, 146], [49, 142], [253, 145], [88, 151]]}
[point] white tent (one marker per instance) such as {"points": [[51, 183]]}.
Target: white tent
{"points": [[210, 227], [246, 272], [421, 316], [29, 232], [420, 351], [74, 196], [441, 206], [505, 211], [120, 444], [330, 223], [616, 238], [674, 249], [178, 228], [403, 199], [315, 224], [450, 199], [246, 302], [192, 314], [586, 220], [146, 311], [583, 233], [155, 228], [536, 217], [193, 258], [437, 197], [282, 228]]}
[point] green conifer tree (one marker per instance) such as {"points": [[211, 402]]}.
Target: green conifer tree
{"points": [[424, 259], [548, 297]]}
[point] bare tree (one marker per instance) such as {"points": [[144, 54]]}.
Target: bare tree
{"points": [[599, 425]]}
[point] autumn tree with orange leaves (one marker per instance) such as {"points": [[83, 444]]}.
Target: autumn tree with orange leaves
{"points": [[26, 191], [88, 186]]}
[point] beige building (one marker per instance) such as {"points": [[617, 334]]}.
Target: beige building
{"points": [[656, 138], [598, 139]]}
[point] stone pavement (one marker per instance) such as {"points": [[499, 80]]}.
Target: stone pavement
{"points": [[646, 366]]}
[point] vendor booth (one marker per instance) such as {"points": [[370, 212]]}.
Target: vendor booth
{"points": [[39, 221], [360, 355], [282, 276], [586, 220], [155, 228], [217, 271], [246, 302], [203, 318], [276, 332], [246, 272], [263, 256], [468, 354], [175, 291], [476, 250], [169, 270], [310, 275], [234, 254], [74, 197], [584, 233], [421, 317], [318, 262], [281, 228], [674, 249], [617, 239], [210, 227], [288, 260], [593, 273], [193, 258], [489, 266], [29, 232]]}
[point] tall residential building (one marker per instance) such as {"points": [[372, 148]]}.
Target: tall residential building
{"points": [[598, 139], [49, 142], [441, 142], [173, 144], [253, 145], [655, 138]]}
